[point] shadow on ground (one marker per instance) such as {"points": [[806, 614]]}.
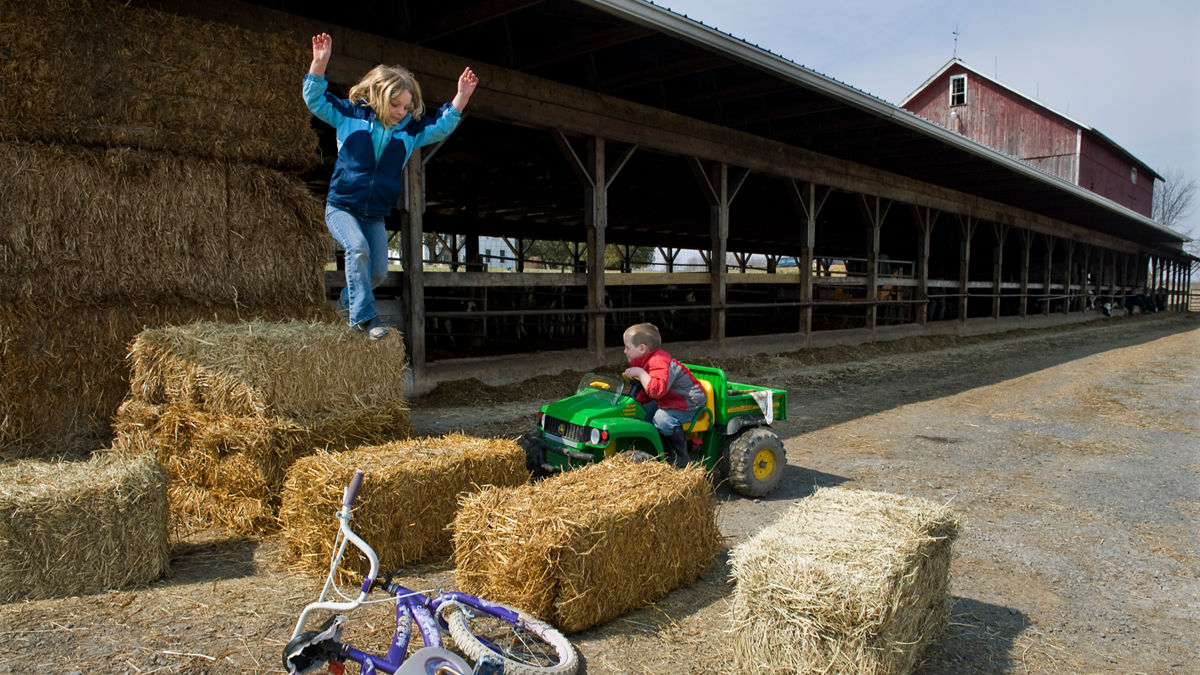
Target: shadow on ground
{"points": [[882, 380], [212, 560], [981, 638]]}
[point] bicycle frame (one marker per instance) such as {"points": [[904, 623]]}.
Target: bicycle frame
{"points": [[411, 606]]}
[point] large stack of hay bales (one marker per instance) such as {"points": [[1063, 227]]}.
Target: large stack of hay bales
{"points": [[230, 407], [583, 547], [148, 164], [846, 581], [68, 528], [408, 500]]}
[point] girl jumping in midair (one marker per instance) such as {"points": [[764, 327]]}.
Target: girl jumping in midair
{"points": [[377, 130]]}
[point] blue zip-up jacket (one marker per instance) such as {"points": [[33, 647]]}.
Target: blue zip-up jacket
{"points": [[361, 182]]}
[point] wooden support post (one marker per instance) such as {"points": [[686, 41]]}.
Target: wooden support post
{"points": [[669, 255], [874, 211], [808, 200], [1122, 274], [1001, 231], [967, 225], [1102, 279], [595, 218], [591, 173], [1189, 284], [1084, 273], [1047, 274], [1180, 300], [1175, 282], [1167, 269], [473, 259], [716, 189], [1026, 254], [1070, 295], [412, 238], [925, 218]]}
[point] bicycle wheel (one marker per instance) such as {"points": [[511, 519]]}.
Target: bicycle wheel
{"points": [[531, 647]]}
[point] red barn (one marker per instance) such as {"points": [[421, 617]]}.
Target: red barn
{"points": [[968, 102]]}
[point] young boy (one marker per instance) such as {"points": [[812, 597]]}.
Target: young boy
{"points": [[670, 393]]}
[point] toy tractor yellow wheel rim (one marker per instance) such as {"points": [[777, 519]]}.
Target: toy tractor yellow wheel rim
{"points": [[764, 464]]}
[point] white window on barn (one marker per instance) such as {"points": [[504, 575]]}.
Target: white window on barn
{"points": [[1133, 175], [958, 90]]}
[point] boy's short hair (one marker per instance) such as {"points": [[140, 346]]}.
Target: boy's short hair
{"points": [[644, 334]]}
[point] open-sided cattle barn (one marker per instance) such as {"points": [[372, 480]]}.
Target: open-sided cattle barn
{"points": [[617, 123]]}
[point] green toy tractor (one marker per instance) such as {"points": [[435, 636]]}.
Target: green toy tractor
{"points": [[731, 435]]}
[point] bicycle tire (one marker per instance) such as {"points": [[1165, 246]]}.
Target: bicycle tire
{"points": [[534, 647]]}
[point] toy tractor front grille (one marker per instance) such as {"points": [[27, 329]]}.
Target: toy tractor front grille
{"points": [[564, 429]]}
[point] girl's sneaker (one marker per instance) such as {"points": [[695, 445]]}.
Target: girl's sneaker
{"points": [[374, 328]]}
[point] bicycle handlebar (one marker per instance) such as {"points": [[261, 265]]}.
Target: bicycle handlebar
{"points": [[348, 497], [351, 492]]}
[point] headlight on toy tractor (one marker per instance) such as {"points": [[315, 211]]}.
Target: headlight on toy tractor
{"points": [[598, 436]]}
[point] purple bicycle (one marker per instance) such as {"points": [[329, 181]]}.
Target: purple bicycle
{"points": [[499, 638]]}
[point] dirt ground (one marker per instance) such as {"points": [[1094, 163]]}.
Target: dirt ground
{"points": [[1073, 455]]}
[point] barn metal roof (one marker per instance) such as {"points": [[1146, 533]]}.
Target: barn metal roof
{"points": [[639, 51]]}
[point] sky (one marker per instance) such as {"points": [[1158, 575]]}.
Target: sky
{"points": [[1130, 70]]}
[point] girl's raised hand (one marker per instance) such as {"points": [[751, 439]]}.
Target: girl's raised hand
{"points": [[467, 82], [322, 48]]}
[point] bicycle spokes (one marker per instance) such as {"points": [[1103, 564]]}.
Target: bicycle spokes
{"points": [[513, 642]]}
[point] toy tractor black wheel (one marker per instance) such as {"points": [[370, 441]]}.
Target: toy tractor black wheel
{"points": [[637, 456], [535, 450], [756, 461]]}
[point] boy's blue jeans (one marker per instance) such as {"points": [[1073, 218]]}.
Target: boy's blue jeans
{"points": [[364, 239], [666, 420]]}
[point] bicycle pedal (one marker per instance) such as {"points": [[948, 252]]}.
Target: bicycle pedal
{"points": [[488, 665]]}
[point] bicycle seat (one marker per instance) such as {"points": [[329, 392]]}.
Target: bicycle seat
{"points": [[313, 649]]}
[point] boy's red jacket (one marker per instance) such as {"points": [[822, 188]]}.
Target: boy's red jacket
{"points": [[672, 385]]}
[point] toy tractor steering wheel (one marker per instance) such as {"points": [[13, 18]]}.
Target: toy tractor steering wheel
{"points": [[634, 385]]}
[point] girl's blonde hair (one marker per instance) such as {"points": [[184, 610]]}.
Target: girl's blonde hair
{"points": [[383, 83]]}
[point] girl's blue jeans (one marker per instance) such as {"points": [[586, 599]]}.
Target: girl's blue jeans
{"points": [[365, 241]]}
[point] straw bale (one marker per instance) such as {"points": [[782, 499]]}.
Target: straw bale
{"points": [[97, 72], [134, 226], [230, 471], [69, 528], [289, 369], [194, 507], [583, 547], [846, 581], [65, 373], [408, 500]]}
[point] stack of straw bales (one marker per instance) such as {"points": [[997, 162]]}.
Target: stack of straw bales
{"points": [[98, 73], [70, 528], [846, 581], [408, 500], [583, 547], [146, 161], [229, 407]]}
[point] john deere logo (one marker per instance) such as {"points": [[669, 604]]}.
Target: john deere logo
{"points": [[562, 429]]}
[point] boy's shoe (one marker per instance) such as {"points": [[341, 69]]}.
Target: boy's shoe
{"points": [[678, 445], [374, 328]]}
